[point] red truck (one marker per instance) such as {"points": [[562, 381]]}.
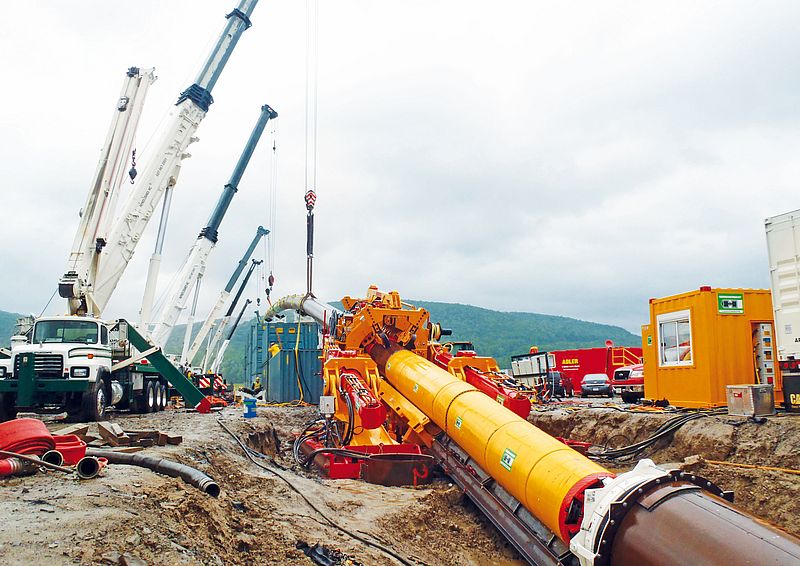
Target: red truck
{"points": [[628, 382], [574, 364]]}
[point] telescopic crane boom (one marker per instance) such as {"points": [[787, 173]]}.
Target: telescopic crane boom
{"points": [[98, 212], [198, 256], [90, 290], [222, 300], [221, 354], [212, 346]]}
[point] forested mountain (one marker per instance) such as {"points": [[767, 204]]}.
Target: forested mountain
{"points": [[494, 333]]}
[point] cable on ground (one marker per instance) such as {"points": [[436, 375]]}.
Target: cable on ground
{"points": [[247, 451]]}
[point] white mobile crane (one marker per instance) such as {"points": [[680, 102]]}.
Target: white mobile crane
{"points": [[78, 362], [212, 345], [221, 354], [222, 300], [195, 263]]}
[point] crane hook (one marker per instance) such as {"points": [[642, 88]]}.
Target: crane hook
{"points": [[132, 173]]}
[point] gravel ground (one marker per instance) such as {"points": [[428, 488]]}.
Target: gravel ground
{"points": [[53, 519]]}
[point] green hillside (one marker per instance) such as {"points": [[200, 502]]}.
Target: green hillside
{"points": [[503, 334], [7, 321], [494, 333]]}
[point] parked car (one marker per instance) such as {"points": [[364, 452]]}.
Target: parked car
{"points": [[628, 383], [596, 384]]}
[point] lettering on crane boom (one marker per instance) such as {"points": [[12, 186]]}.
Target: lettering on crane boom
{"points": [[570, 362]]}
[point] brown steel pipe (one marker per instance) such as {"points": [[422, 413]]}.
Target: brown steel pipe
{"points": [[674, 525]]}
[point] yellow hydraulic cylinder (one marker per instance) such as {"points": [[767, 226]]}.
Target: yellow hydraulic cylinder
{"points": [[545, 475]]}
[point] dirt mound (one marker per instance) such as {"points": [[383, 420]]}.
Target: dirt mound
{"points": [[457, 531], [775, 442]]}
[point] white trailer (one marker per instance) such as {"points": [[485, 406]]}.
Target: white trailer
{"points": [[783, 250]]}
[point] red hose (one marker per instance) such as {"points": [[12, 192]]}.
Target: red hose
{"points": [[25, 436], [10, 467]]}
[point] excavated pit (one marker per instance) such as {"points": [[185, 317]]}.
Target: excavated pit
{"points": [[773, 442]]}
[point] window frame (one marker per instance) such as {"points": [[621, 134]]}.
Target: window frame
{"points": [[675, 318]]}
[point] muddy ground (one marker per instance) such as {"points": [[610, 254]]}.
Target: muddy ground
{"points": [[257, 519], [131, 514]]}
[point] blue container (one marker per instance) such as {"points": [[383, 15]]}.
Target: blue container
{"points": [[294, 376], [285, 357], [249, 408]]}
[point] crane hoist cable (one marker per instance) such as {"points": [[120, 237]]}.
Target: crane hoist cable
{"points": [[269, 241], [312, 53]]}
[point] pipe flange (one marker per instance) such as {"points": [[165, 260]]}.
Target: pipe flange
{"points": [[610, 504]]}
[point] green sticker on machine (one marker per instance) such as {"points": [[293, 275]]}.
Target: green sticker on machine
{"points": [[508, 459], [500, 399], [458, 422], [649, 340], [730, 303], [416, 387]]}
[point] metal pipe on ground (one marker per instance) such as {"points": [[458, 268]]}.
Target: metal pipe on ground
{"points": [[672, 525], [170, 468]]}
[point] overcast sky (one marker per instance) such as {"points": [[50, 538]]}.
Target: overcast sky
{"points": [[570, 158]]}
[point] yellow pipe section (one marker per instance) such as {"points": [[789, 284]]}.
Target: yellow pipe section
{"points": [[544, 474]]}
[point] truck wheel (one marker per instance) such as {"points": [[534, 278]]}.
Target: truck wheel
{"points": [[94, 402], [162, 397], [151, 397]]}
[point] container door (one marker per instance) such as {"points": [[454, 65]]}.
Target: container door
{"points": [[764, 353]]}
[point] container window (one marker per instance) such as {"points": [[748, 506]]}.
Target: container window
{"points": [[675, 339]]}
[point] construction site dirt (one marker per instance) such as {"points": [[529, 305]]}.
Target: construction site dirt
{"points": [[131, 515]]}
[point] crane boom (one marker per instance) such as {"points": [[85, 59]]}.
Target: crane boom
{"points": [[226, 319], [198, 256], [221, 354], [161, 171], [222, 300], [98, 211]]}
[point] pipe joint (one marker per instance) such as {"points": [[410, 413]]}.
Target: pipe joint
{"points": [[606, 507]]}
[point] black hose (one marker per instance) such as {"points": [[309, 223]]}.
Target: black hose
{"points": [[339, 452], [665, 429], [294, 488], [351, 416], [170, 468]]}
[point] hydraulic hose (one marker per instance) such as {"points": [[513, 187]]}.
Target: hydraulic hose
{"points": [[37, 461], [170, 468]]}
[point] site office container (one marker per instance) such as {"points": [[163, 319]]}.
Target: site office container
{"points": [[699, 342]]}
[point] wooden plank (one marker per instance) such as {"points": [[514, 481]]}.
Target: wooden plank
{"points": [[162, 439], [140, 434], [174, 439], [108, 433], [76, 429], [117, 429]]}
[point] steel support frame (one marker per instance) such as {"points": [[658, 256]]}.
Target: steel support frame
{"points": [[529, 536]]}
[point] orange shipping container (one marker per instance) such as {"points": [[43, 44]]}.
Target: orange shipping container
{"points": [[699, 342]]}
